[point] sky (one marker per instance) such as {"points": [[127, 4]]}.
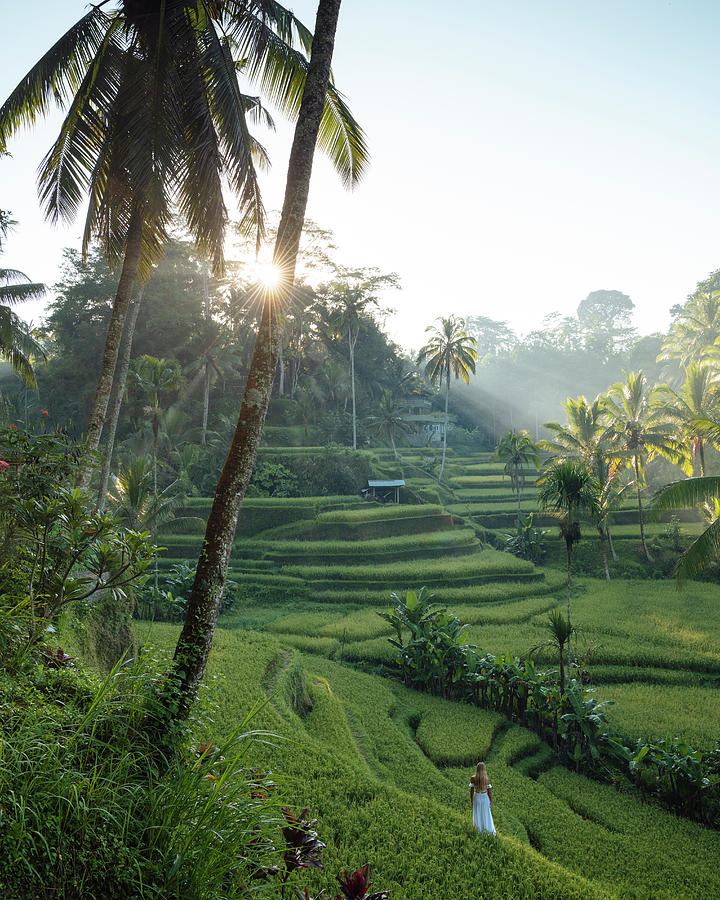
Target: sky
{"points": [[524, 153]]}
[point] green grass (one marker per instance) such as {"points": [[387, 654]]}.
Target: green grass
{"points": [[373, 513]]}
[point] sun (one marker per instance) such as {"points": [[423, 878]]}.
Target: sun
{"points": [[267, 274]]}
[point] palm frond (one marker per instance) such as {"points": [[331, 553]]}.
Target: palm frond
{"points": [[703, 552], [685, 494], [56, 76]]}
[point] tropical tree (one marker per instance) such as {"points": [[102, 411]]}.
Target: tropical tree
{"points": [[567, 489], [17, 344], [561, 632], [689, 493], [696, 327], [157, 124], [195, 641], [155, 377], [449, 351], [610, 495], [388, 423], [584, 434], [517, 450], [638, 435], [698, 399]]}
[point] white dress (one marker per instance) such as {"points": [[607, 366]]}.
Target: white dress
{"points": [[482, 816]]}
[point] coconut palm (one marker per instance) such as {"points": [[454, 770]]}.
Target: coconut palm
{"points": [[154, 377], [698, 399], [517, 450], [156, 124], [17, 345], [696, 329], [637, 435], [583, 435], [388, 423], [195, 641], [689, 493], [567, 489], [449, 351]]}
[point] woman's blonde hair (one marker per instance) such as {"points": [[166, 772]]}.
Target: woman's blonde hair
{"points": [[480, 779]]}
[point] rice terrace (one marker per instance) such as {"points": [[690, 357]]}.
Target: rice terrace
{"points": [[368, 549]]}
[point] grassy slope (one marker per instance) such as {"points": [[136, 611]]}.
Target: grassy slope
{"points": [[386, 771]]}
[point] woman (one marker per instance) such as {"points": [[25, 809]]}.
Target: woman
{"points": [[481, 800]]}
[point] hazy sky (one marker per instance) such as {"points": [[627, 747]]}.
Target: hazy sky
{"points": [[525, 152]]}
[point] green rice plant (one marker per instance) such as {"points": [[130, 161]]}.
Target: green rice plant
{"points": [[287, 551], [652, 711], [373, 512], [477, 593], [323, 646], [456, 734], [485, 563]]}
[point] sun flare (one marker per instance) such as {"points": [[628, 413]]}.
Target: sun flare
{"points": [[267, 273]]}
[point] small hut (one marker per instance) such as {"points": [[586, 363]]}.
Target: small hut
{"points": [[383, 491]]}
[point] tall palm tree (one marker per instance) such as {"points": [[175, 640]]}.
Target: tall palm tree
{"points": [[154, 377], [156, 124], [567, 489], [449, 351], [696, 329], [584, 433], [697, 399], [638, 435], [517, 450], [195, 641], [388, 423], [560, 633]]}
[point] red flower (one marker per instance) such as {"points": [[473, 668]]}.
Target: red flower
{"points": [[4, 465], [44, 412]]}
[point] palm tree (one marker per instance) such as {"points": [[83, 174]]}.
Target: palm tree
{"points": [[156, 123], [568, 489], [154, 377], [689, 493], [561, 632], [696, 329], [135, 501], [449, 350], [388, 422], [517, 450], [610, 495], [17, 345], [697, 399], [637, 435], [195, 641], [584, 434]]}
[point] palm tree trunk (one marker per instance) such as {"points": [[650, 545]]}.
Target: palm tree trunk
{"points": [[447, 396], [517, 490], [603, 546], [569, 586], [610, 541], [640, 514], [113, 338], [701, 452], [120, 382], [206, 378], [281, 385], [195, 642], [351, 345]]}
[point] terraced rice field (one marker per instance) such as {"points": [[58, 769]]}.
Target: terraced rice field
{"points": [[386, 772]]}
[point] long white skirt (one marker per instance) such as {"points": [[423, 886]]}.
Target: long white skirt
{"points": [[482, 816]]}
